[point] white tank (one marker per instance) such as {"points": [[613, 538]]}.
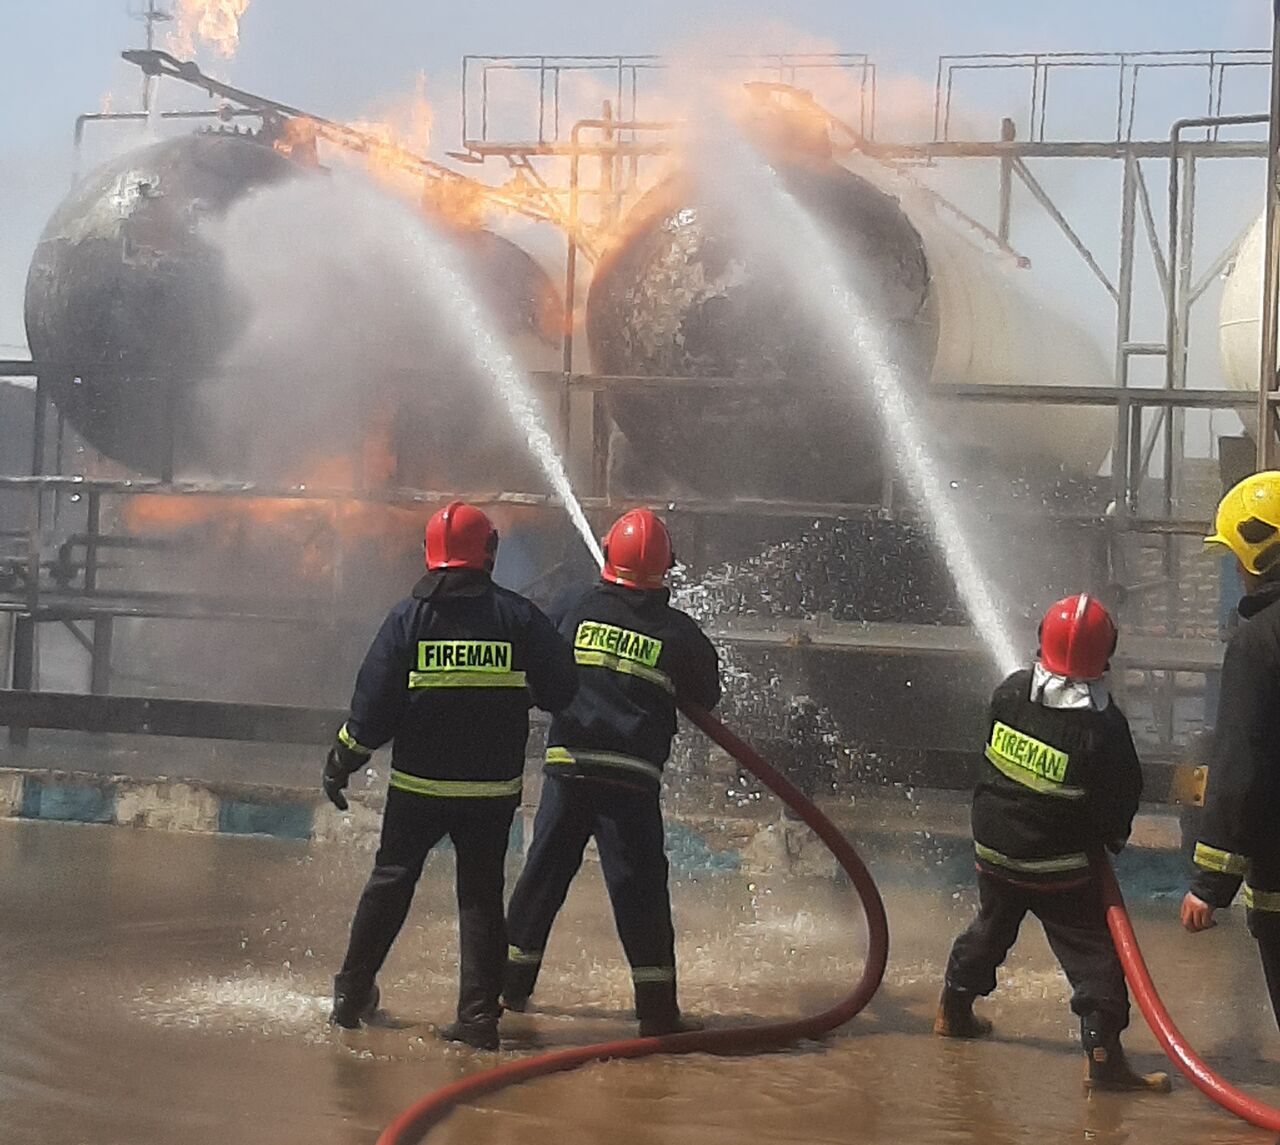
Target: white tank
{"points": [[1240, 313], [994, 329]]}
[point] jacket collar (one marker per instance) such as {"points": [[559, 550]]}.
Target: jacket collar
{"points": [[439, 584], [1267, 593], [636, 597], [1053, 691]]}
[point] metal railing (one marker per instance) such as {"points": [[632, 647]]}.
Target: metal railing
{"points": [[1124, 69]]}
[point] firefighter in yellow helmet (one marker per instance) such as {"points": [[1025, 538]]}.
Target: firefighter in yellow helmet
{"points": [[1238, 840]]}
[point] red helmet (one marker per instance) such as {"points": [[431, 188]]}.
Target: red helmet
{"points": [[460, 536], [1077, 638], [637, 550]]}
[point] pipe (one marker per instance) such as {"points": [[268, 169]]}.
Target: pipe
{"points": [[411, 1125], [1215, 1088]]}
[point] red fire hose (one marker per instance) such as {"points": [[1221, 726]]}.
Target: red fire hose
{"points": [[410, 1127], [1167, 1034]]}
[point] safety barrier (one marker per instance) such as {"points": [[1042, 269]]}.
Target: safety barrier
{"points": [[414, 1122], [1167, 1034]]}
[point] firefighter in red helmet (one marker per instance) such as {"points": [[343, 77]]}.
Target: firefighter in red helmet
{"points": [[1060, 780], [636, 656], [448, 680]]}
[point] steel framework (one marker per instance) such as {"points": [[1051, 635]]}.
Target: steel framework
{"points": [[617, 142]]}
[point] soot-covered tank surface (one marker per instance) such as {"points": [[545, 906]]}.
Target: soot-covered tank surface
{"points": [[123, 289], [679, 296], [127, 292]]}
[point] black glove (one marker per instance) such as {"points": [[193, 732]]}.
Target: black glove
{"points": [[1116, 846], [336, 776]]}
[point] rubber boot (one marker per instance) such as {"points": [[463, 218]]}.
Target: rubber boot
{"points": [[956, 1019], [482, 1035], [352, 1009], [518, 979], [658, 1011], [1106, 1067]]}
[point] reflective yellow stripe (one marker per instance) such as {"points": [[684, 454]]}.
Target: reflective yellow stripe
{"points": [[1019, 774], [595, 635], [456, 788], [626, 667], [564, 757], [349, 742], [1261, 900], [653, 974], [1212, 859], [1033, 866], [524, 957], [466, 679]]}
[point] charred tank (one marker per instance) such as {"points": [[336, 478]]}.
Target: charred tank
{"points": [[123, 290], [129, 296], [677, 295]]}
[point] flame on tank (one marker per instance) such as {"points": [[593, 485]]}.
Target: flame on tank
{"points": [[212, 22]]}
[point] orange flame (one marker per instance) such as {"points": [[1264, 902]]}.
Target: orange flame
{"points": [[212, 22]]}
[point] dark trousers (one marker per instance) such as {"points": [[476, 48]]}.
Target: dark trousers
{"points": [[1265, 928], [411, 826], [627, 825], [1075, 924]]}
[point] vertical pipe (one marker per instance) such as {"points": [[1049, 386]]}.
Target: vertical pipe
{"points": [[1008, 133], [93, 525], [1124, 326], [608, 168], [100, 656], [1271, 265], [170, 429], [24, 665]]}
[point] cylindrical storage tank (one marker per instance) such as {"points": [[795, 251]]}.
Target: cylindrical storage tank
{"points": [[123, 290], [678, 296], [1240, 312], [126, 291]]}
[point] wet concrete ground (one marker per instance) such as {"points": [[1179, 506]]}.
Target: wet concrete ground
{"points": [[166, 988]]}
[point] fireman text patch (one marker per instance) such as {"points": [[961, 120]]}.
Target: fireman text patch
{"points": [[1022, 751], [593, 636], [464, 656]]}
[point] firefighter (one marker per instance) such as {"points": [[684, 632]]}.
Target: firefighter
{"points": [[449, 680], [1238, 838], [636, 656], [1061, 780]]}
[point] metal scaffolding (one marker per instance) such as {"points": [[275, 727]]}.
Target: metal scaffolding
{"points": [[551, 184]]}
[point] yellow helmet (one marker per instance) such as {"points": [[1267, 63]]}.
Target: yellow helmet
{"points": [[1248, 522]]}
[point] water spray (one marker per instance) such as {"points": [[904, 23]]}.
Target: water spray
{"points": [[794, 241], [450, 290]]}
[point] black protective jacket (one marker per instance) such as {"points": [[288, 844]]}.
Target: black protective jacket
{"points": [[1057, 784], [1239, 840], [450, 678], [635, 654]]}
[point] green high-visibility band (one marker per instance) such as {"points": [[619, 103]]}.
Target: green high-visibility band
{"points": [[564, 757], [596, 636], [456, 788], [1209, 858], [1015, 771], [1261, 900], [641, 974], [349, 742], [466, 679], [626, 667], [1055, 865], [524, 957]]}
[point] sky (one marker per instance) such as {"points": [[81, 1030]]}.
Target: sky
{"points": [[341, 58]]}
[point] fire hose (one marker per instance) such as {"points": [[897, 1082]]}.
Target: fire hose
{"points": [[1167, 1034], [411, 1125]]}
